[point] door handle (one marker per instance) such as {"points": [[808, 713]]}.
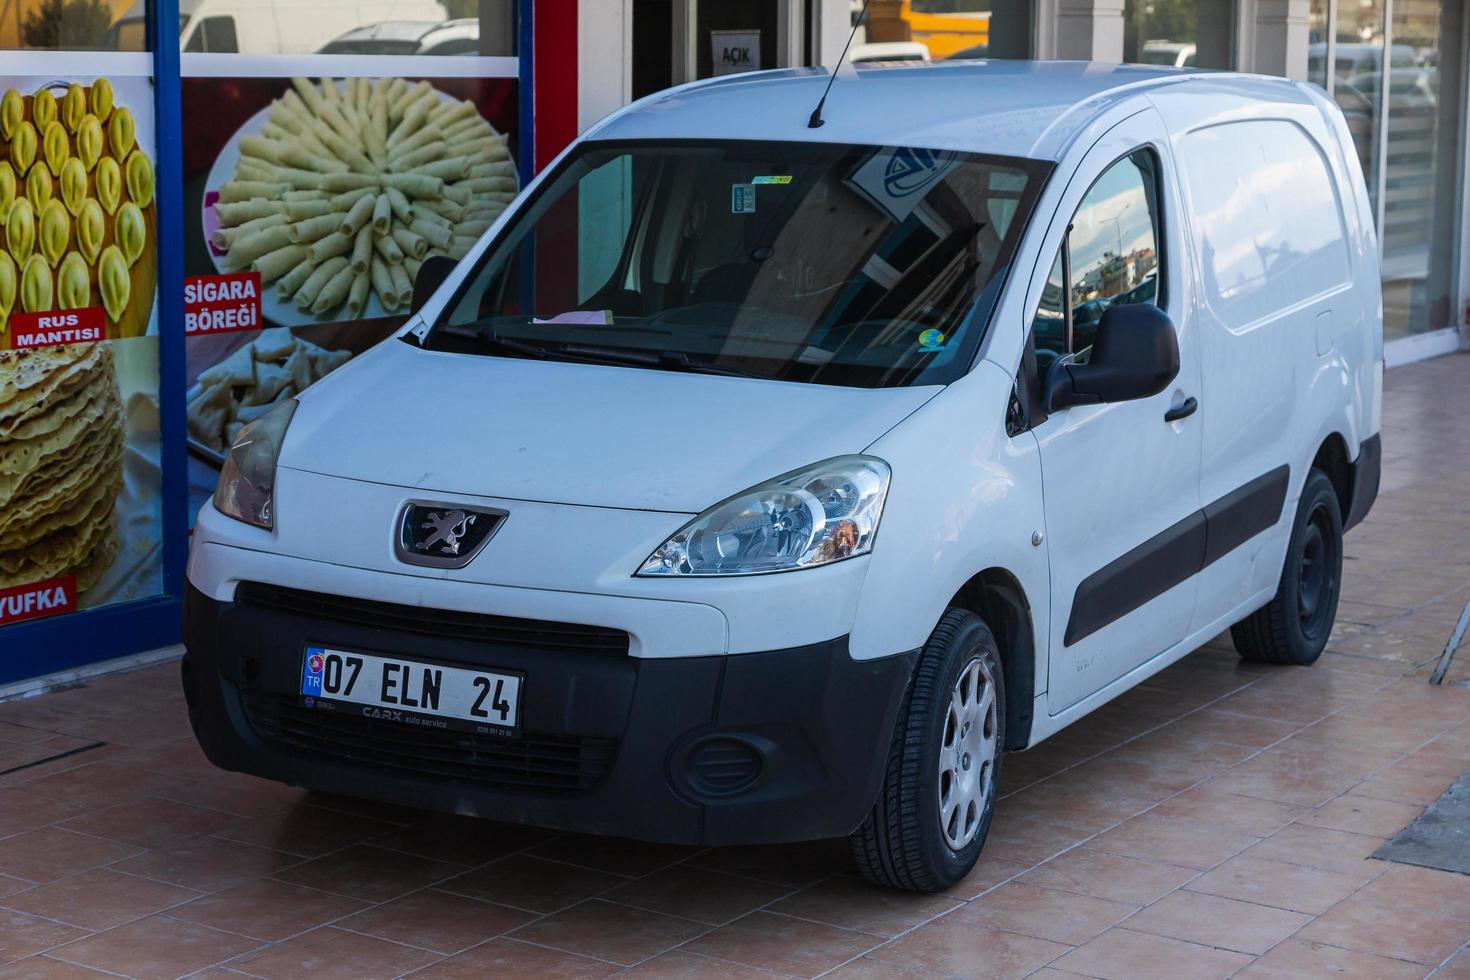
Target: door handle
{"points": [[1182, 411]]}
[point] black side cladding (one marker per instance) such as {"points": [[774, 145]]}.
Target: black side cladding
{"points": [[1176, 554]]}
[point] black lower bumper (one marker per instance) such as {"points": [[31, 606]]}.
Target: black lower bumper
{"points": [[1366, 473], [755, 748]]}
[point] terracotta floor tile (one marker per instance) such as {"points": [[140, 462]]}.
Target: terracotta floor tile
{"points": [[1221, 922], [1282, 886], [308, 831], [238, 794], [1298, 960], [9, 885], [22, 809], [679, 965], [793, 865], [328, 954], [852, 903], [1407, 934], [368, 873], [98, 899], [1242, 814], [988, 873], [361, 807], [1318, 847], [1457, 968], [1172, 840], [46, 968], [51, 853], [612, 855], [1182, 751], [1099, 874], [21, 734], [1224, 726], [779, 942], [1404, 786], [530, 883], [616, 933], [267, 909], [461, 840], [1362, 815], [694, 893], [436, 920], [966, 948], [1266, 781], [182, 758], [206, 864], [24, 935], [1057, 803], [156, 948], [868, 968], [522, 961], [1027, 839], [1120, 954], [149, 822], [101, 783], [1349, 758], [1045, 913], [1425, 889]]}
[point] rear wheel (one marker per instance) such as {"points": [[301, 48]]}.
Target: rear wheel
{"points": [[1293, 628], [933, 811]]}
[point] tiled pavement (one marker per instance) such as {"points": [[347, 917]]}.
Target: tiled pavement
{"points": [[1216, 821]]}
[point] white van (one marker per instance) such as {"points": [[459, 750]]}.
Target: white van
{"points": [[759, 481], [270, 26]]}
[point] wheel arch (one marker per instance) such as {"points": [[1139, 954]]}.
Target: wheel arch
{"points": [[1332, 459], [996, 596]]}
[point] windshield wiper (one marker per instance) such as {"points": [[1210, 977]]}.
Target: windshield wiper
{"points": [[593, 354]]}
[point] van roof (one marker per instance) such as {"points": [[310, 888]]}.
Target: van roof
{"points": [[1010, 108]]}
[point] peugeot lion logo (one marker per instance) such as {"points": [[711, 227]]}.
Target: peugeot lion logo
{"points": [[449, 527], [443, 536]]}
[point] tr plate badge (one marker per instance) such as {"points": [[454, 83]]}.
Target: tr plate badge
{"points": [[443, 535]]}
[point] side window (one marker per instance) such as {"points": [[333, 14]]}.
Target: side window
{"points": [[1110, 255]]}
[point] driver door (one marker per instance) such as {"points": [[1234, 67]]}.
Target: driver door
{"points": [[1120, 482]]}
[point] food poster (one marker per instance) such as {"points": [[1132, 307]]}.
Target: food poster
{"points": [[80, 497], [309, 205]]}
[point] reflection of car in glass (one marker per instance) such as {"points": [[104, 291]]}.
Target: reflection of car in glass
{"points": [[410, 37], [267, 26], [1176, 53], [889, 51], [594, 542]]}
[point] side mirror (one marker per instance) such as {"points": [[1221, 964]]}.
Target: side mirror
{"points": [[1135, 355], [432, 273]]}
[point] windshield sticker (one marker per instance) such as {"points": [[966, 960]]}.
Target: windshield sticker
{"points": [[782, 179], [930, 341], [590, 318], [742, 199]]}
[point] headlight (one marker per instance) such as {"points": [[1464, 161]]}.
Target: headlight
{"points": [[247, 481], [811, 516]]}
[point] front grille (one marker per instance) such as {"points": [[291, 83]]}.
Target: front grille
{"points": [[546, 763], [530, 634]]}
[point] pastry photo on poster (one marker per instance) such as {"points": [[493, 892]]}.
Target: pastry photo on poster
{"points": [[79, 426], [310, 204]]}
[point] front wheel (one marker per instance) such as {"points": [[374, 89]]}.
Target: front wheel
{"points": [[1294, 626], [933, 811]]}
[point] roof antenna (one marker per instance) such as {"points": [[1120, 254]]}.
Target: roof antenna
{"points": [[816, 121]]}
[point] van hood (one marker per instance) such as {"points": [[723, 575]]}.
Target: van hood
{"points": [[588, 434]]}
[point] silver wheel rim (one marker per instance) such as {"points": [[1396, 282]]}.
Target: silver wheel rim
{"points": [[967, 754]]}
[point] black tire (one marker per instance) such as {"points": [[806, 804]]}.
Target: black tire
{"points": [[1294, 626], [903, 842]]}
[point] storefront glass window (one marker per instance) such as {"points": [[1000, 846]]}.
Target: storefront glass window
{"points": [[72, 25], [1425, 113], [80, 457], [1317, 29], [1179, 33]]}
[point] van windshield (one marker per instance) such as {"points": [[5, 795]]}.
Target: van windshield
{"points": [[860, 266]]}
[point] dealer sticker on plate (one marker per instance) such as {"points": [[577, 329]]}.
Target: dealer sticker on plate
{"points": [[410, 692]]}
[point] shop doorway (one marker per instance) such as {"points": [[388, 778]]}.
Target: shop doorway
{"points": [[682, 40]]}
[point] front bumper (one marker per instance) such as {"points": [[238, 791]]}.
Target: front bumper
{"points": [[783, 745]]}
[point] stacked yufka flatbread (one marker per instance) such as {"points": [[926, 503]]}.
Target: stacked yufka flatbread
{"points": [[276, 365], [61, 448]]}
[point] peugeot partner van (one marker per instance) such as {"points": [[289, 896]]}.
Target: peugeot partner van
{"points": [[766, 475]]}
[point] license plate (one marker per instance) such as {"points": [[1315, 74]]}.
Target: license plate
{"points": [[411, 692]]}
